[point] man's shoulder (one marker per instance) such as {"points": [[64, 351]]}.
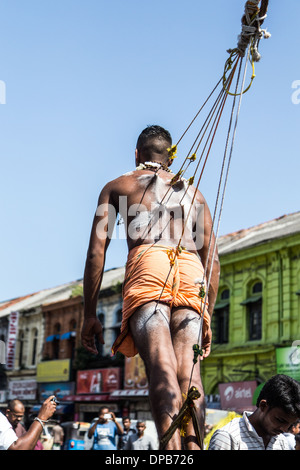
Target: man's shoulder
{"points": [[125, 180]]}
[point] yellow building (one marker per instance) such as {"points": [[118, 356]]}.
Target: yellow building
{"points": [[258, 305]]}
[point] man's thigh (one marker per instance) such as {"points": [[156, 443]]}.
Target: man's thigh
{"points": [[150, 329], [185, 326]]}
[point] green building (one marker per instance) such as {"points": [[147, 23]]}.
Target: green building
{"points": [[258, 306]]}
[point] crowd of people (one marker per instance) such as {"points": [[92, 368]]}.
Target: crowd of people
{"points": [[108, 434], [274, 425]]}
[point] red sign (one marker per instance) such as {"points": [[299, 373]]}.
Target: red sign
{"points": [[237, 396], [98, 380], [12, 340]]}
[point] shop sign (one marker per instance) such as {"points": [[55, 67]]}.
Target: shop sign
{"points": [[12, 340], [288, 361], [22, 389], [59, 389], [237, 396], [98, 380], [53, 371]]}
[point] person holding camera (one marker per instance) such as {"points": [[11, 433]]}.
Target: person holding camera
{"points": [[10, 441], [105, 430]]}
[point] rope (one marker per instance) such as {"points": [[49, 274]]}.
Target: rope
{"points": [[248, 42], [198, 347], [251, 28]]}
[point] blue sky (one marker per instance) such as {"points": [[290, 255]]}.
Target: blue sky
{"points": [[83, 78]]}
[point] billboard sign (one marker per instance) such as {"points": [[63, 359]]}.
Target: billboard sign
{"points": [[22, 389], [237, 396], [53, 371], [12, 340], [288, 361], [98, 380]]}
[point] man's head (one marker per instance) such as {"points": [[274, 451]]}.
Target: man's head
{"points": [[152, 145], [140, 426], [295, 428], [126, 423], [278, 404], [15, 412], [103, 414]]}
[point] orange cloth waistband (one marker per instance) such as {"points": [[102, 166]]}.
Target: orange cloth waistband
{"points": [[155, 272]]}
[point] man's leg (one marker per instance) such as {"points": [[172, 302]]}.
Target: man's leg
{"points": [[151, 333], [185, 324]]}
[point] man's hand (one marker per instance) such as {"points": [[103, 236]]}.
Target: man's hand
{"points": [[206, 343], [91, 328], [48, 409]]}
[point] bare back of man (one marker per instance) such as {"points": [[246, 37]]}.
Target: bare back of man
{"points": [[156, 213]]}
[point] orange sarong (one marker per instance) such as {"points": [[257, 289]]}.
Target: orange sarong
{"points": [[153, 272]]}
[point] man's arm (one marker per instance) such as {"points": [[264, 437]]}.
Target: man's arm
{"points": [[91, 430], [120, 429], [28, 441], [101, 233]]}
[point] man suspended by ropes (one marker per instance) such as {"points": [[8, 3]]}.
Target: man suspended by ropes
{"points": [[165, 301]]}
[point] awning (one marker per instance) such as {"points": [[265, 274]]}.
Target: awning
{"points": [[221, 304], [130, 393], [68, 335], [52, 338], [252, 299], [87, 398]]}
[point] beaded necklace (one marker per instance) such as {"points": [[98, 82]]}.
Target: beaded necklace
{"points": [[154, 166]]}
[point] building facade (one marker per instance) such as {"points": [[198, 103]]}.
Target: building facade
{"points": [[257, 310]]}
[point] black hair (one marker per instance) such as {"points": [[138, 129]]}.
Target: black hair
{"points": [[154, 139], [283, 392], [103, 407]]}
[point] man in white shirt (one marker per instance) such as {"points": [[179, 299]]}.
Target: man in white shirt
{"points": [[278, 407], [8, 437]]}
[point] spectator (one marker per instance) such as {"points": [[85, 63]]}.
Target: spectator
{"points": [[105, 430], [58, 437], [10, 441], [127, 431], [278, 407], [15, 413], [291, 434], [140, 441]]}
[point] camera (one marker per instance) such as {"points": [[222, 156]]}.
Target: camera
{"points": [[107, 416], [55, 400]]}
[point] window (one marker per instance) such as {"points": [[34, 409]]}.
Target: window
{"points": [[221, 318], [254, 312], [34, 346], [56, 342], [117, 325], [72, 339], [100, 346], [21, 348]]}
